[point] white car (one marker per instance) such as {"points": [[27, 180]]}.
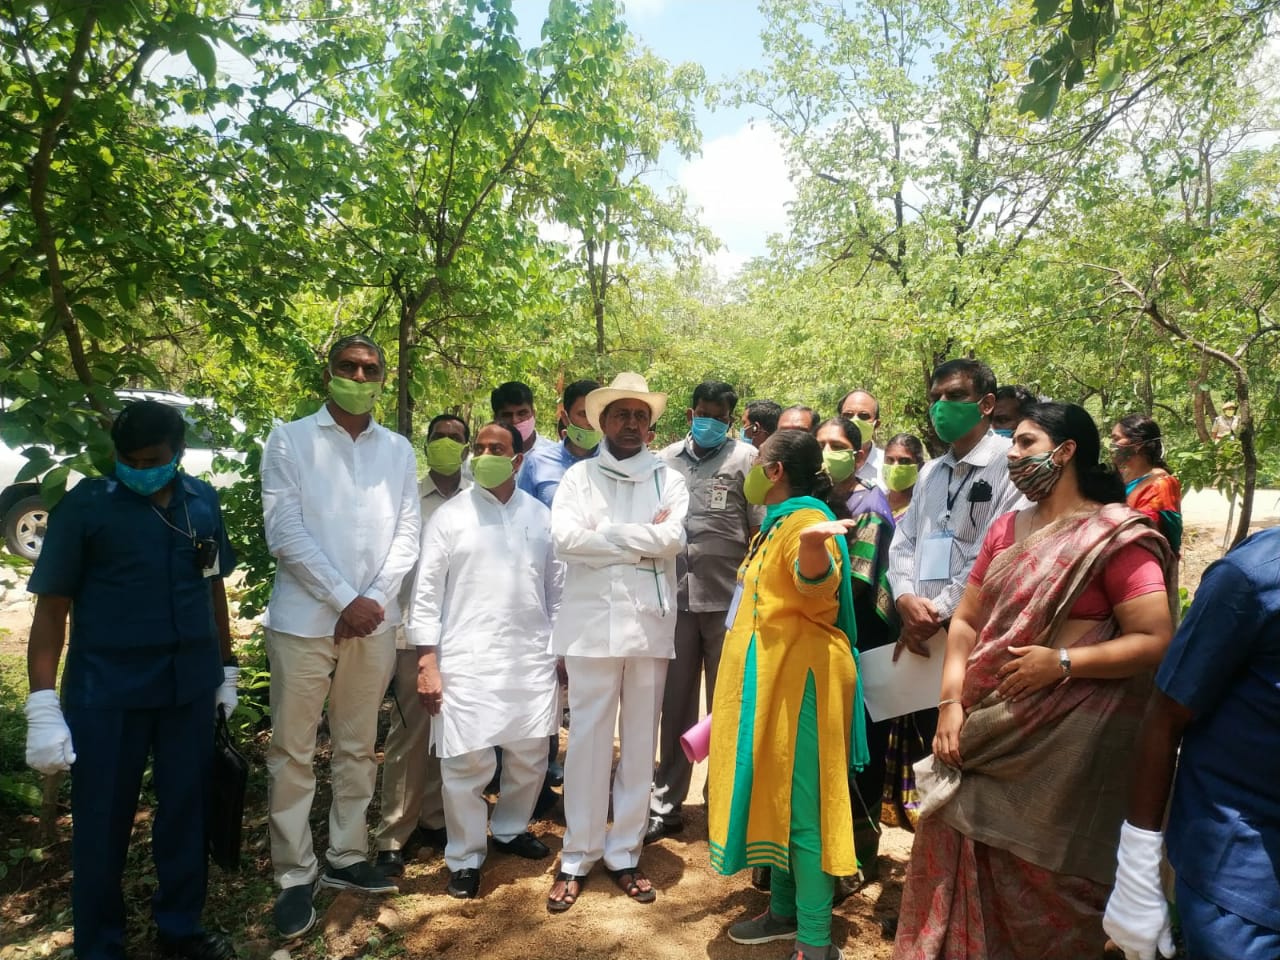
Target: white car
{"points": [[23, 512]]}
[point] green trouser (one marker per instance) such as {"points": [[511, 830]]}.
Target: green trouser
{"points": [[805, 892]]}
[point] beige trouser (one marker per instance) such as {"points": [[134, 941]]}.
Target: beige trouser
{"points": [[410, 771], [353, 674]]}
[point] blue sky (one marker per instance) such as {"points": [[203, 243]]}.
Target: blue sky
{"points": [[739, 183]]}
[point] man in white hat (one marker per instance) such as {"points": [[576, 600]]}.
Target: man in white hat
{"points": [[618, 524]]}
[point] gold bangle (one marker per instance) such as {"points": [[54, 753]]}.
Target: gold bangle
{"points": [[943, 703]]}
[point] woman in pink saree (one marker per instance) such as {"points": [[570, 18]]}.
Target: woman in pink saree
{"points": [[1048, 665]]}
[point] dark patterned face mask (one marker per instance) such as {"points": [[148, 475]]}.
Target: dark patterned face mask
{"points": [[1036, 475]]}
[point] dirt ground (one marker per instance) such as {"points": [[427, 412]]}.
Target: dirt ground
{"points": [[509, 921]]}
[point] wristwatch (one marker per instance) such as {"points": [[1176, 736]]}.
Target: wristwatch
{"points": [[1064, 661]]}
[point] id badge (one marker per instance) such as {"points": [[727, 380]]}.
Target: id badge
{"points": [[212, 570], [719, 495], [935, 558], [733, 606]]}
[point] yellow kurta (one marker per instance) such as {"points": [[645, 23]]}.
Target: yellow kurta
{"points": [[784, 630]]}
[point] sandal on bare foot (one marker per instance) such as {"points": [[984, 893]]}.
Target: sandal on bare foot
{"points": [[629, 880], [567, 897]]}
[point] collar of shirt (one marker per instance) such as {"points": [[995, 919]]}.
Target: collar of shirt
{"points": [[325, 419], [693, 454], [566, 455], [427, 489], [991, 446], [486, 497]]}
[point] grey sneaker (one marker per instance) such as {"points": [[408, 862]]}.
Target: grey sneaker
{"points": [[765, 928], [361, 875]]}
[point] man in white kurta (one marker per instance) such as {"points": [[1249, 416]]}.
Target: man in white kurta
{"points": [[486, 592], [618, 524]]}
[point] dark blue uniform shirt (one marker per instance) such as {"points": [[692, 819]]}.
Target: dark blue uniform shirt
{"points": [[1224, 666], [142, 627]]}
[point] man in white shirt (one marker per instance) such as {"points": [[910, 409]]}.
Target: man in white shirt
{"points": [[486, 592], [412, 806], [340, 504], [618, 524], [864, 408], [957, 496]]}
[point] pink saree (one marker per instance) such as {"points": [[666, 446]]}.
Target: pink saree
{"points": [[1018, 862]]}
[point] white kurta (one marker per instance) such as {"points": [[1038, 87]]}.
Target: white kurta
{"points": [[620, 588], [486, 593]]}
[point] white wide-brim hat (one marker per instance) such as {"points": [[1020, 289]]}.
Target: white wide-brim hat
{"points": [[625, 386]]}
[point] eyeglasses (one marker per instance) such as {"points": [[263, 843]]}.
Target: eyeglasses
{"points": [[860, 415]]}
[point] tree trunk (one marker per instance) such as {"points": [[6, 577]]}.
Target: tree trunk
{"points": [[1249, 454], [407, 337]]}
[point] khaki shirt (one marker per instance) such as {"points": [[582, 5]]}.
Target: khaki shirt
{"points": [[719, 523]]}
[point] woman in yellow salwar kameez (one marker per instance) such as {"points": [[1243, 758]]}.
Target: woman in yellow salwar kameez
{"points": [[789, 717]]}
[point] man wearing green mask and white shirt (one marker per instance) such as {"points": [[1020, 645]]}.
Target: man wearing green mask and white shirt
{"points": [[412, 807], [956, 498], [718, 527], [340, 505], [545, 464], [487, 588]]}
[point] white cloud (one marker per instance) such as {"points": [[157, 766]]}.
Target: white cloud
{"points": [[741, 187]]}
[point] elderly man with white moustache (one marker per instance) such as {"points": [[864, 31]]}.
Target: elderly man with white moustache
{"points": [[618, 524]]}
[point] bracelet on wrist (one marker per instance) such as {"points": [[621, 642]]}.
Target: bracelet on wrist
{"points": [[943, 703]]}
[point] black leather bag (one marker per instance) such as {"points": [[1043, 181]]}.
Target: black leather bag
{"points": [[225, 805]]}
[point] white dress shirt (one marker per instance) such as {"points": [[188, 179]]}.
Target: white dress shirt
{"points": [[342, 521], [872, 469], [620, 576], [430, 499], [983, 469], [487, 589]]}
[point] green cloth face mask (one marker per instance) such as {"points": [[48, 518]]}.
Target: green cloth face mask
{"points": [[952, 419], [839, 463], [756, 485], [900, 476], [490, 470], [583, 438], [444, 456], [353, 396]]}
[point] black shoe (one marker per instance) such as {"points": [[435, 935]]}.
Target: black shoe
{"points": [[361, 876], [524, 845], [464, 884], [294, 912], [660, 826], [200, 946], [390, 863], [555, 773], [545, 803], [433, 837]]}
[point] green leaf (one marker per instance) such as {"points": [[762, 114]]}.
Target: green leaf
{"points": [[1046, 10], [54, 486], [1040, 98], [90, 319], [200, 51]]}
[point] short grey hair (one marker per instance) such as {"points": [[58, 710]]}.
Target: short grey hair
{"points": [[356, 340]]}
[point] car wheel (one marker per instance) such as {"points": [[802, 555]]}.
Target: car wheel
{"points": [[24, 527]]}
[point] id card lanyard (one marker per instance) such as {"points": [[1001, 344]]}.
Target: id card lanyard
{"points": [[935, 558]]}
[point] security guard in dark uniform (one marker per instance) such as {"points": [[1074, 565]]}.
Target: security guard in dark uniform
{"points": [[138, 560]]}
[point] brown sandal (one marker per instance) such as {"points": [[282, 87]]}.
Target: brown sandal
{"points": [[568, 899], [628, 880]]}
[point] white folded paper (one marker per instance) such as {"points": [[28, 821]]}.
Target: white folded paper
{"points": [[913, 683]]}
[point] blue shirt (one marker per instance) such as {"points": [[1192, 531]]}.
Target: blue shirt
{"points": [[142, 627], [544, 466], [1224, 666]]}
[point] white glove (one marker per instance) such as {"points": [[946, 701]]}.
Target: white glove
{"points": [[48, 739], [1137, 916], [226, 695]]}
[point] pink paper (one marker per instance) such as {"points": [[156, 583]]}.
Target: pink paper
{"points": [[696, 741]]}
